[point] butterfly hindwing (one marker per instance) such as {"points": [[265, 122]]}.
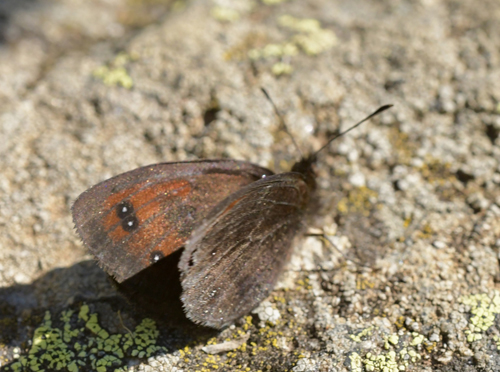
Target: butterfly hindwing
{"points": [[234, 258], [134, 219]]}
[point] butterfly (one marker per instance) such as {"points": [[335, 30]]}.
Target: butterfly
{"points": [[236, 221]]}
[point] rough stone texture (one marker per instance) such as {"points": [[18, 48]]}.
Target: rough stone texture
{"points": [[87, 91]]}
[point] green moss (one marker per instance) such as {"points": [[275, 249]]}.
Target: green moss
{"points": [[84, 312], [82, 344]]}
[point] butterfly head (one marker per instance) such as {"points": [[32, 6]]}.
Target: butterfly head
{"points": [[305, 167]]}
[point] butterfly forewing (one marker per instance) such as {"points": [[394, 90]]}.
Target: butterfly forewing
{"points": [[134, 219], [233, 260]]}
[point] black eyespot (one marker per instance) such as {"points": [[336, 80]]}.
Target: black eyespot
{"points": [[130, 223], [156, 256], [124, 209]]}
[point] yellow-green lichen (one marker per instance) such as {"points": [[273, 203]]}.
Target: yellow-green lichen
{"points": [[307, 36], [281, 68], [116, 74], [268, 342], [359, 200], [363, 283], [435, 171], [82, 344], [224, 14], [414, 356], [304, 25], [356, 362], [273, 2], [425, 232], [404, 149], [303, 284], [483, 309], [473, 336], [365, 332], [417, 339], [310, 37], [391, 361], [381, 362], [397, 356], [497, 341], [273, 50], [391, 340]]}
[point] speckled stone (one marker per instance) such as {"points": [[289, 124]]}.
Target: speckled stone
{"points": [[410, 278]]}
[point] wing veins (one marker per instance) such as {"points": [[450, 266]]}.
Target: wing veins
{"points": [[242, 251]]}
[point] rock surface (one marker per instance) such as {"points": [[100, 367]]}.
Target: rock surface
{"points": [[91, 89]]}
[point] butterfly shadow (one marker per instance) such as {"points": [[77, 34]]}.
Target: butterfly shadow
{"points": [[156, 292], [153, 293]]}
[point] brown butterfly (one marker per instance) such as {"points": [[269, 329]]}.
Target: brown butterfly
{"points": [[236, 220]]}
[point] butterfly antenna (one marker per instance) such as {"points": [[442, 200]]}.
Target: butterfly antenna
{"points": [[282, 121], [378, 111]]}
